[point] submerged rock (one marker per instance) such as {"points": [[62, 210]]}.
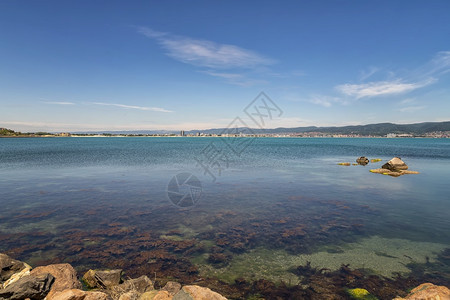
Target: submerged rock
{"points": [[33, 287], [428, 291], [344, 164], [395, 164]]}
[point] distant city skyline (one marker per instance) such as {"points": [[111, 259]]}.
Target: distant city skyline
{"points": [[179, 65]]}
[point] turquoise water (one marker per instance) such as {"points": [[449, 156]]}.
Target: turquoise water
{"points": [[71, 198]]}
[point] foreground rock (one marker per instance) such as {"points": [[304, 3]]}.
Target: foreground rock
{"points": [[156, 295], [172, 287], [75, 294], [141, 285], [65, 277], [428, 291], [9, 267], [102, 279], [193, 292], [59, 282], [132, 288], [16, 276], [33, 287]]}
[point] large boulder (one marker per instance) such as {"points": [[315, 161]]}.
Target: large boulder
{"points": [[74, 294], [9, 266], [33, 287], [102, 279], [16, 276], [428, 291], [395, 164], [194, 292], [65, 277]]}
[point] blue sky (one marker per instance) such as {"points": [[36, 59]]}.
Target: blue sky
{"points": [[128, 65]]}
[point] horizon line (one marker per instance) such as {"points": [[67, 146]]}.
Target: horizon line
{"points": [[216, 128]]}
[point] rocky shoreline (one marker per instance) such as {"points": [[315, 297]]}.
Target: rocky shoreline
{"points": [[19, 281]]}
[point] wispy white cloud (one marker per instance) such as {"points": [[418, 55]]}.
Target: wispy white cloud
{"points": [[148, 32], [236, 78], [421, 77], [380, 88], [325, 101], [407, 101], [366, 74], [58, 102], [206, 53], [229, 76], [158, 109], [412, 108], [440, 64]]}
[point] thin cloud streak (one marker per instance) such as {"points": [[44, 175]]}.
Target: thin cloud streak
{"points": [[325, 101], [380, 88], [206, 53], [440, 64], [236, 78], [158, 109], [58, 102], [366, 74], [412, 108]]}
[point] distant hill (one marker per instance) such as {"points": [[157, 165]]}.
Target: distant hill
{"points": [[380, 129]]}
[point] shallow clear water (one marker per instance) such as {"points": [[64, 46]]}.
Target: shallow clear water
{"points": [[279, 194]]}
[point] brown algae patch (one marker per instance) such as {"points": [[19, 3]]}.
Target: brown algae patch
{"points": [[382, 256]]}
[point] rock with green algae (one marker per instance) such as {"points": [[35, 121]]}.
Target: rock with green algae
{"points": [[360, 294], [392, 173]]}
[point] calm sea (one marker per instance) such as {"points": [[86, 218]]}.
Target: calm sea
{"points": [[277, 202]]}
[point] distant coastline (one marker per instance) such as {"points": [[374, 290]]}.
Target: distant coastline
{"points": [[379, 130]]}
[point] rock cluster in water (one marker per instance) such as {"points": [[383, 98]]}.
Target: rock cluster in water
{"points": [[395, 167], [18, 281]]}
